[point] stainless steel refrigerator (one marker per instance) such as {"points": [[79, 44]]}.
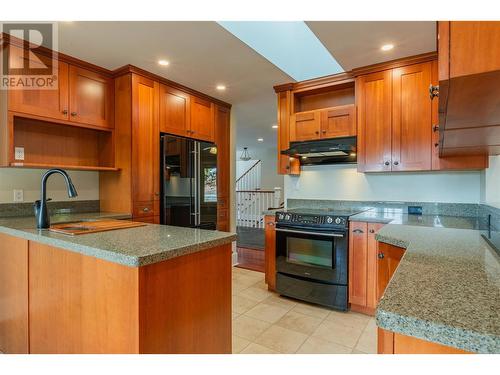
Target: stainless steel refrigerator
{"points": [[188, 182]]}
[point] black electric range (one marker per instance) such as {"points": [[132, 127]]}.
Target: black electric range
{"points": [[312, 248]]}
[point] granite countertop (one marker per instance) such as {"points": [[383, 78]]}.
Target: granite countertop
{"points": [[446, 288], [132, 247]]}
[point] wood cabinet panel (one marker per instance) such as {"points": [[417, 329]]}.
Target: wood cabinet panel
{"points": [[222, 140], [202, 119], [286, 165], [305, 126], [338, 122], [145, 140], [270, 251], [411, 118], [45, 103], [174, 111], [91, 98], [411, 345], [389, 257], [371, 265], [13, 295], [358, 263], [374, 102], [80, 304]]}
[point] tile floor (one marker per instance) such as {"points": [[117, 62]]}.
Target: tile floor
{"points": [[266, 323]]}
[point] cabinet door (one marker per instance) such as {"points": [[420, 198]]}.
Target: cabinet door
{"points": [[305, 126], [411, 118], [372, 253], [145, 142], [358, 263], [338, 122], [202, 119], [174, 111], [90, 98], [389, 257], [374, 102], [286, 165], [270, 251], [46, 103]]}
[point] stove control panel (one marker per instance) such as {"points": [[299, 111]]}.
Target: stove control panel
{"points": [[311, 220]]}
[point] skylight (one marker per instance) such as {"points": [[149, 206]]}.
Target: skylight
{"points": [[291, 46]]}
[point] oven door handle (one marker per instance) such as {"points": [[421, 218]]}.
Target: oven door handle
{"points": [[310, 233]]}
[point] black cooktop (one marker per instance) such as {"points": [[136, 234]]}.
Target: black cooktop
{"points": [[324, 211]]}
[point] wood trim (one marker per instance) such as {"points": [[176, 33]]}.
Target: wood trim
{"points": [[134, 69], [270, 251], [398, 63], [363, 309], [316, 83], [411, 345], [385, 341]]}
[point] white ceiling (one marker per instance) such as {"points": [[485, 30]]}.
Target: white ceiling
{"points": [[203, 54]]}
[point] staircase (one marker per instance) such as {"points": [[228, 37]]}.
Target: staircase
{"points": [[251, 200]]}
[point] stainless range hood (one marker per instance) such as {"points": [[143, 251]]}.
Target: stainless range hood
{"points": [[326, 151]]}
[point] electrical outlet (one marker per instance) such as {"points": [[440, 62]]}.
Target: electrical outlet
{"points": [[19, 153], [18, 195]]}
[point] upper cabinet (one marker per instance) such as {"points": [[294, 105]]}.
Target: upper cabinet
{"points": [[338, 122], [174, 111], [90, 97], [469, 87], [202, 119]]}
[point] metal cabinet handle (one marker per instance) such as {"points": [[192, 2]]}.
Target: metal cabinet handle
{"points": [[436, 144], [387, 163], [435, 128], [380, 255], [73, 114], [317, 132], [357, 231], [372, 231], [324, 131], [145, 209], [396, 162], [157, 194], [65, 112], [270, 223], [433, 91]]}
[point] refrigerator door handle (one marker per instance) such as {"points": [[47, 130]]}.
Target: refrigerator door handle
{"points": [[198, 183]]}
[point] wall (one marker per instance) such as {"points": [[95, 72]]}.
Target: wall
{"points": [[86, 183], [491, 183], [343, 182]]}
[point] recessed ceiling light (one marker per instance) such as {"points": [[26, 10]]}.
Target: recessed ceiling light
{"points": [[220, 87], [163, 62], [387, 47], [274, 126], [260, 139]]}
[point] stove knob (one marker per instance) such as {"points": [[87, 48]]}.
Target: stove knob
{"points": [[287, 217], [329, 219], [338, 220], [280, 216]]}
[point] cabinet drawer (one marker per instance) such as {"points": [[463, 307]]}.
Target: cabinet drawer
{"points": [[143, 209]]}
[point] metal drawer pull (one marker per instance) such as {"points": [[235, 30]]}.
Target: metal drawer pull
{"points": [[145, 209], [357, 231], [433, 91], [310, 233], [372, 231], [380, 255]]}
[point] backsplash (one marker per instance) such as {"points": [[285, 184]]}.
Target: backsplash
{"points": [[26, 209]]}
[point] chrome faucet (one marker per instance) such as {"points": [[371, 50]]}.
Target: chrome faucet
{"points": [[41, 212]]}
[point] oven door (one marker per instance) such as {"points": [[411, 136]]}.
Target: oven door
{"points": [[315, 255]]}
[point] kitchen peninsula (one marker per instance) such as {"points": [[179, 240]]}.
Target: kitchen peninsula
{"points": [[150, 289]]}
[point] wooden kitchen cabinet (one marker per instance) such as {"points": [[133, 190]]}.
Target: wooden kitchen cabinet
{"points": [[13, 293], [286, 164], [338, 122], [388, 257], [202, 119], [174, 111], [222, 140], [91, 98], [45, 103], [374, 102], [270, 251], [305, 126], [362, 266]]}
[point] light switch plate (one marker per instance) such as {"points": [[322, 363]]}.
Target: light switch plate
{"points": [[18, 195], [19, 153]]}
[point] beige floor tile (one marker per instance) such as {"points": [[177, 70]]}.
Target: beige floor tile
{"points": [[235, 315], [255, 293], [367, 342], [248, 328], [242, 304], [280, 301], [351, 319], [372, 325], [312, 310], [281, 339], [266, 312], [338, 333], [239, 343], [299, 322], [315, 345], [355, 351], [258, 349], [261, 284]]}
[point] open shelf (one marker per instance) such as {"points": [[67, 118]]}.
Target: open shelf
{"points": [[328, 97]]}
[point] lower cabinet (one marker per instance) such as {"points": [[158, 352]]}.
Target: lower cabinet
{"points": [[388, 259], [270, 251], [363, 266]]}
